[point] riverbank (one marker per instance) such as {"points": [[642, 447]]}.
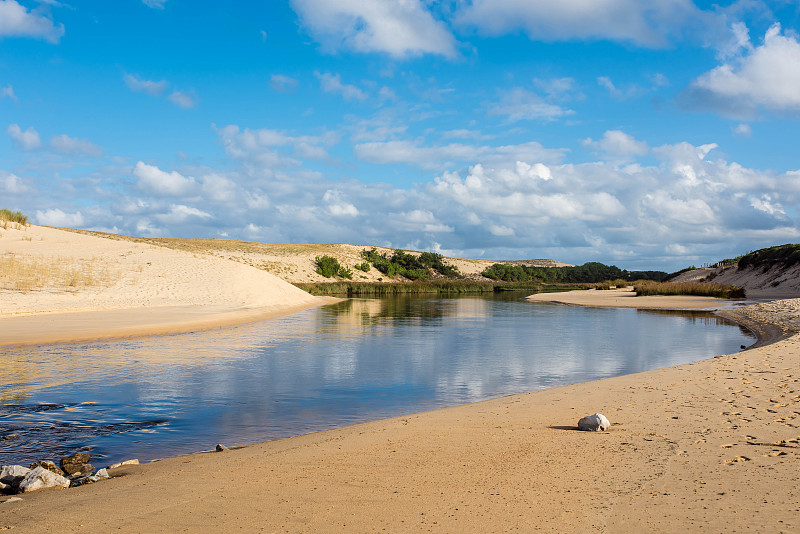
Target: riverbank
{"points": [[65, 286], [712, 445]]}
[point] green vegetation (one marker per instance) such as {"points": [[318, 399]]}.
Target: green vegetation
{"points": [[329, 266], [410, 266], [8, 216], [440, 286], [611, 284], [592, 272], [363, 266], [699, 289], [783, 255]]}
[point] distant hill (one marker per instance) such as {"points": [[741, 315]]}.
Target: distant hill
{"points": [[772, 272]]}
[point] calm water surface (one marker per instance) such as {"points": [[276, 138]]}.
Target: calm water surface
{"points": [[359, 360]]}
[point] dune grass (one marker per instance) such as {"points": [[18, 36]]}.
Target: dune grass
{"points": [[698, 289], [441, 286], [14, 217], [33, 273]]}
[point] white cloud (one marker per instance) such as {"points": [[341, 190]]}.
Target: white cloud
{"points": [[650, 24], [766, 76], [337, 205], [742, 130], [153, 179], [11, 184], [519, 104], [282, 83], [151, 87], [332, 83], [57, 217], [182, 99], [8, 92], [618, 143], [26, 140], [268, 147], [443, 156], [72, 146], [179, 213], [398, 28], [155, 4], [17, 21]]}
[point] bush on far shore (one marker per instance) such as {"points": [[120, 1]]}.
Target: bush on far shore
{"points": [[328, 266], [698, 289]]}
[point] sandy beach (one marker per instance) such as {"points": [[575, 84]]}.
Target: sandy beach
{"points": [[709, 446]]}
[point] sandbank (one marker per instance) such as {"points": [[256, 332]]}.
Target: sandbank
{"points": [[626, 298], [709, 446]]}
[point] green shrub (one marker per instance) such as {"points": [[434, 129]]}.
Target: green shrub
{"points": [[363, 266]]}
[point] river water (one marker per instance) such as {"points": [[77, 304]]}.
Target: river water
{"points": [[355, 361]]}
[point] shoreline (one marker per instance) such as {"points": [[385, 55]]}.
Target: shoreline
{"points": [[690, 447]]}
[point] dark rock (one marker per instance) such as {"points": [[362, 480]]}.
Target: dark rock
{"points": [[49, 465], [221, 448], [8, 437], [74, 464]]}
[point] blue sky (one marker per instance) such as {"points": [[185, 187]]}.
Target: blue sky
{"points": [[654, 134]]}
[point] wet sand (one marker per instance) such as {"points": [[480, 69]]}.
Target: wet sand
{"points": [[708, 446]]}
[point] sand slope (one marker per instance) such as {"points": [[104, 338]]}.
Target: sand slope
{"points": [[133, 288]]}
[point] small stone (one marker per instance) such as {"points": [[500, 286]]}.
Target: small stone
{"points": [[8, 437], [74, 464], [49, 465], [40, 478], [102, 474], [221, 447], [594, 423]]}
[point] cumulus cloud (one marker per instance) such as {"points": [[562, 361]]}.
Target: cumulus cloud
{"points": [[337, 205], [153, 179], [399, 29], [57, 217], [617, 143], [742, 130], [17, 21], [11, 184], [443, 156], [649, 24], [73, 146], [179, 213], [518, 104], [27, 139], [282, 83], [332, 83], [766, 76], [270, 148]]}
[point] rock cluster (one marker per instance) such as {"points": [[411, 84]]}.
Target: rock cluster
{"points": [[74, 470]]}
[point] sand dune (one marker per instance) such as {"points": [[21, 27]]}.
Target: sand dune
{"points": [[119, 287]]}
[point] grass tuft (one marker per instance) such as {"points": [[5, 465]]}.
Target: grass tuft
{"points": [[698, 289], [14, 217], [24, 273]]}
